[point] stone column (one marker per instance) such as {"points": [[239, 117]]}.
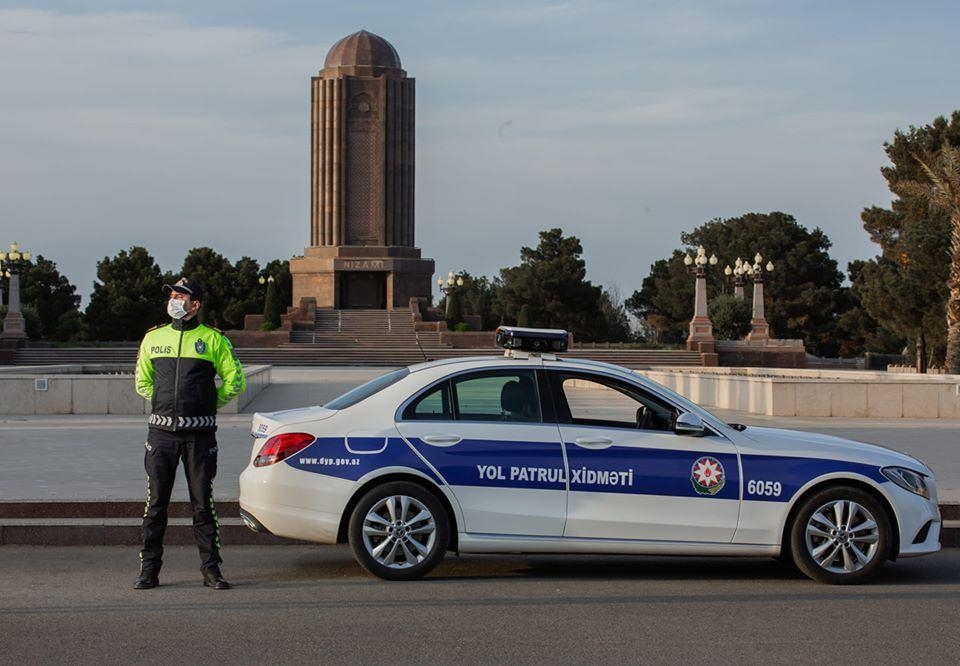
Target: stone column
{"points": [[759, 329], [13, 324], [701, 328]]}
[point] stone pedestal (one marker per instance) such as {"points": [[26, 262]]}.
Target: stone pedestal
{"points": [[759, 329], [361, 276], [701, 328], [14, 326]]}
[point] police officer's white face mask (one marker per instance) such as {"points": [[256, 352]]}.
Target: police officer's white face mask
{"points": [[176, 309]]}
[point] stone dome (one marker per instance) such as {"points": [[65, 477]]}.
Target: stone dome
{"points": [[362, 49]]}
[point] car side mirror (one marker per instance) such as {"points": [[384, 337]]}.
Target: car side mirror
{"points": [[690, 425]]}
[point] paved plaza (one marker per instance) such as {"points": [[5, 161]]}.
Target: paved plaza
{"points": [[64, 458]]}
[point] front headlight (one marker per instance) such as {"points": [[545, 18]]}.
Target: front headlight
{"points": [[907, 479]]}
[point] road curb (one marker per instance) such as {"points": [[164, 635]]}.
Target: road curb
{"points": [[117, 523]]}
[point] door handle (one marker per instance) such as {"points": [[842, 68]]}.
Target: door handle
{"points": [[442, 440], [593, 442]]}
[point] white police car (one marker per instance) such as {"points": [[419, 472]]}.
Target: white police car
{"points": [[533, 453]]}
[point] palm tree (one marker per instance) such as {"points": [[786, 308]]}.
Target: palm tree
{"points": [[942, 192]]}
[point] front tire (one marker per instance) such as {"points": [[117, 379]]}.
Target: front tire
{"points": [[840, 536], [399, 531]]}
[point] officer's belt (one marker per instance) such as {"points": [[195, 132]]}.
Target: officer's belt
{"points": [[183, 422]]}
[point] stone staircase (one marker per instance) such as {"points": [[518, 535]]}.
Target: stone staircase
{"points": [[364, 328], [354, 338], [307, 354]]}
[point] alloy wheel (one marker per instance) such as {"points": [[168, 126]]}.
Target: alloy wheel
{"points": [[399, 531]]}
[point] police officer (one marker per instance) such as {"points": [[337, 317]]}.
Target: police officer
{"points": [[175, 371]]}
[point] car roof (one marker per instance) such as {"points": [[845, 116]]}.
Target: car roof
{"points": [[532, 359]]}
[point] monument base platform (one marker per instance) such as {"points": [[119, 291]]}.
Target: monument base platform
{"points": [[354, 276]]}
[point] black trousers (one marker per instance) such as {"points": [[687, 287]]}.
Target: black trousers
{"points": [[198, 450]]}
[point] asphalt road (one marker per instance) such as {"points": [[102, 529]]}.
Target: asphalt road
{"points": [[313, 604]]}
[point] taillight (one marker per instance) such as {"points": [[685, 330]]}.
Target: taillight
{"points": [[281, 447]]}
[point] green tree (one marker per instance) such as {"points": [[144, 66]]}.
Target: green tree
{"points": [[282, 280], [941, 191], [244, 295], [551, 288], [730, 316], [53, 298], [801, 297], [664, 302], [857, 330], [127, 298], [217, 275], [271, 307], [613, 318], [905, 286], [523, 317], [476, 295], [453, 308]]}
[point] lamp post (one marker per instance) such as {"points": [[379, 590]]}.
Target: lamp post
{"points": [[701, 328], [269, 316], [11, 263], [759, 329], [737, 274], [447, 286]]}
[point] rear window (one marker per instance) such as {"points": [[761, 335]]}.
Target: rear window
{"points": [[364, 391]]}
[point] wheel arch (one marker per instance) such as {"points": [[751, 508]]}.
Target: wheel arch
{"points": [[854, 482], [399, 476]]}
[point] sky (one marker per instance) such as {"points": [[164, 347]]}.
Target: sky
{"points": [[176, 124]]}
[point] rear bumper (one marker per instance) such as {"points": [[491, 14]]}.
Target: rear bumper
{"points": [[291, 503], [252, 523]]}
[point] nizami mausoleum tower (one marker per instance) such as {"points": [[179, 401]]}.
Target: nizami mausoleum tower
{"points": [[361, 252]]}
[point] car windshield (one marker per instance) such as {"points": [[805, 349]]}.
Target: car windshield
{"points": [[364, 391]]}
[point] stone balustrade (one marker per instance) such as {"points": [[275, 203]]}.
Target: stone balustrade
{"points": [[786, 392], [73, 389]]}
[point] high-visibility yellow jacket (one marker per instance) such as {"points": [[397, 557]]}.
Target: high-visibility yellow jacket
{"points": [[176, 367]]}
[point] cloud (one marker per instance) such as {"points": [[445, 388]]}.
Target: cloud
{"points": [[122, 128], [628, 123]]}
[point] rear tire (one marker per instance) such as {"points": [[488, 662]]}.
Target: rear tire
{"points": [[840, 536], [399, 531]]}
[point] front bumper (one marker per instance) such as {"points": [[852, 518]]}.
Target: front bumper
{"points": [[919, 522]]}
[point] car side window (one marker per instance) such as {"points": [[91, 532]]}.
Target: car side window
{"points": [[497, 396], [601, 401], [433, 405]]}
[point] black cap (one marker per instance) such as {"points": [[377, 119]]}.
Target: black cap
{"points": [[191, 288]]}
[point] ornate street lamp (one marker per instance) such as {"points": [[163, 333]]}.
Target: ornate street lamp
{"points": [[11, 263], [759, 328], [447, 286], [737, 275], [701, 328]]}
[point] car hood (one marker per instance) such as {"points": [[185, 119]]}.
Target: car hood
{"points": [[803, 443], [266, 423]]}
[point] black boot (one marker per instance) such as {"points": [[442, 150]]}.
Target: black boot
{"points": [[215, 580], [147, 580]]}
